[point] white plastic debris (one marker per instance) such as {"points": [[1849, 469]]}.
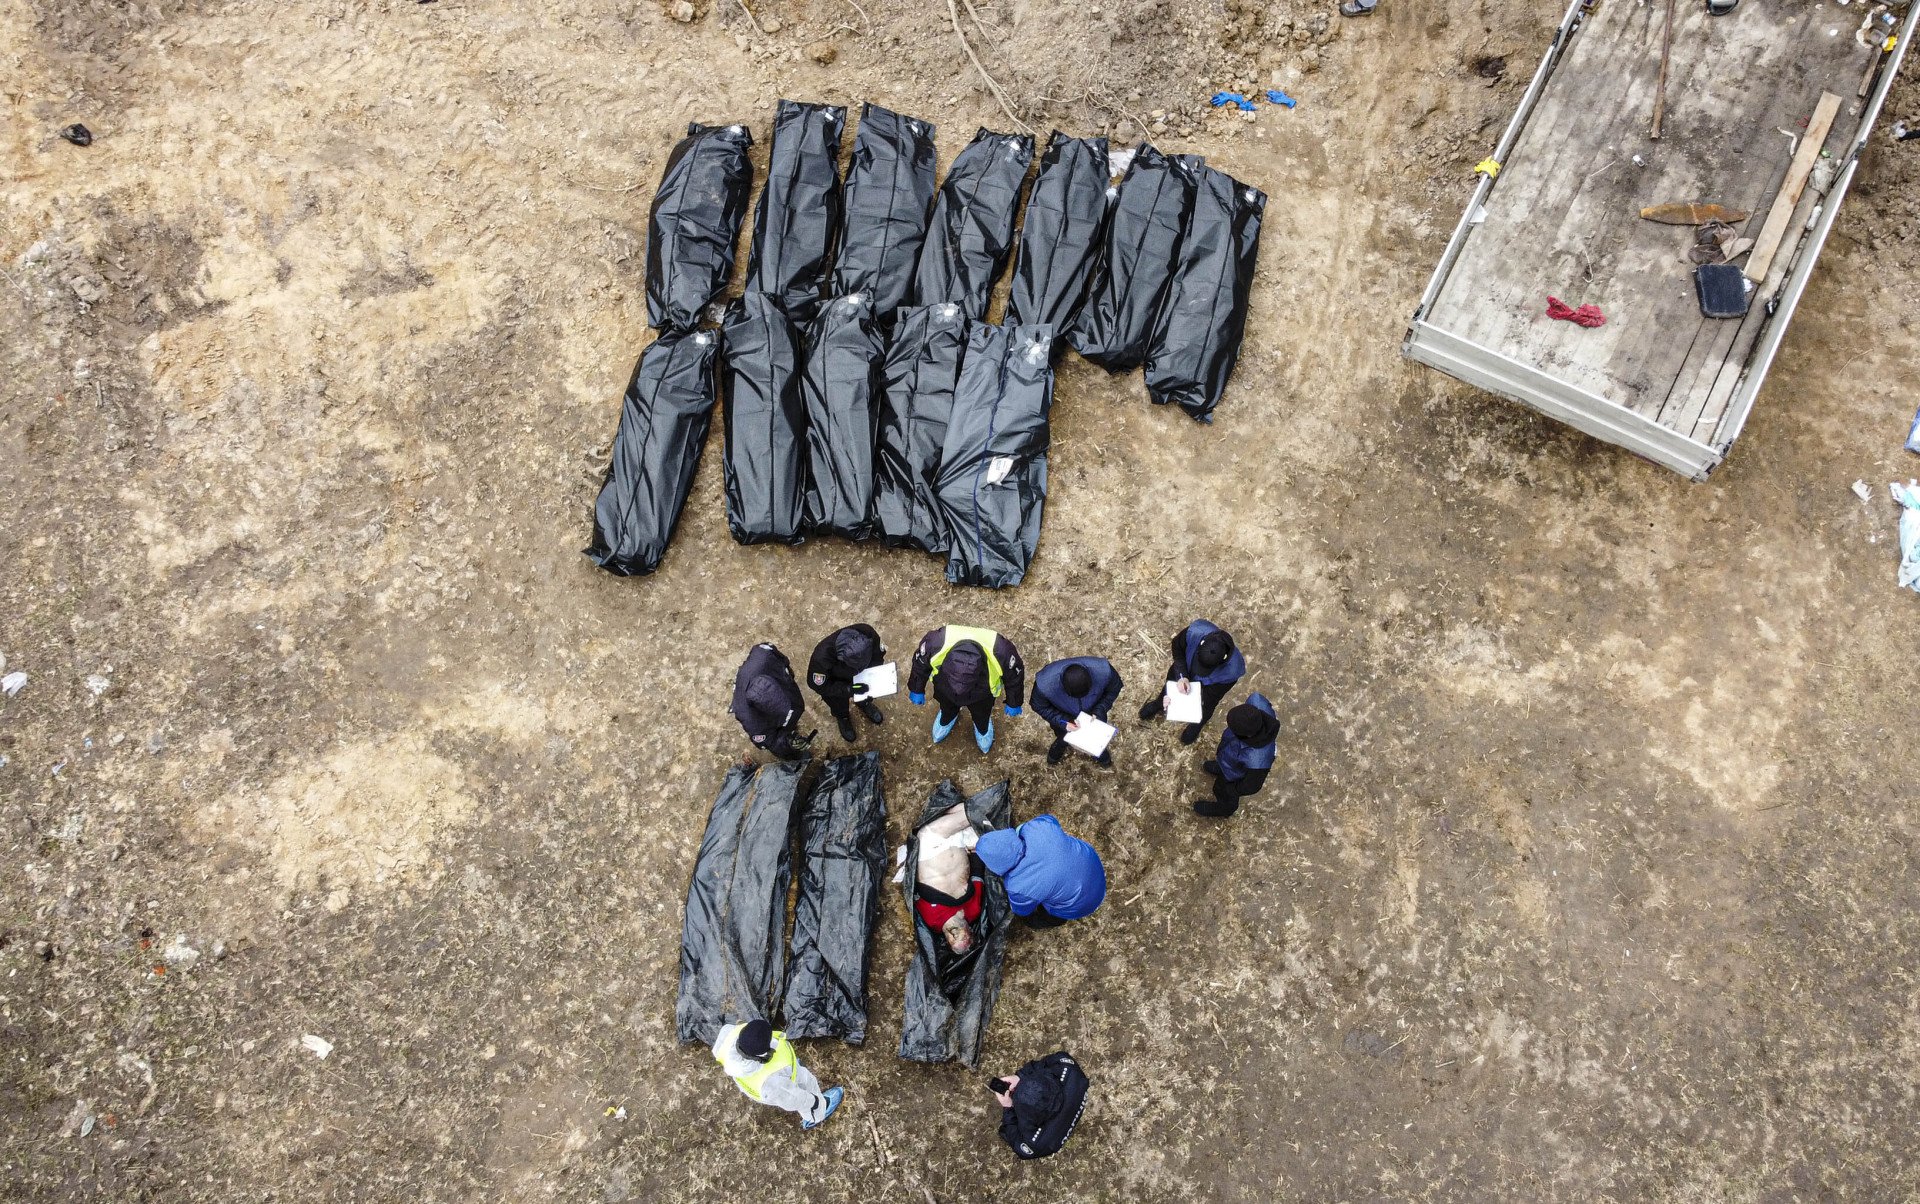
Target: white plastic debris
{"points": [[98, 684], [1908, 496], [181, 955], [13, 683], [1863, 491], [320, 1046], [998, 468]]}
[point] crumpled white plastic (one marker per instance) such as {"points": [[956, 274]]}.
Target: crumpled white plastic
{"points": [[1908, 496]]}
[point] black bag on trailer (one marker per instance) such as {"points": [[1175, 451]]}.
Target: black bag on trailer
{"points": [[889, 198], [733, 939], [971, 233], [663, 429], [992, 481], [1196, 338], [841, 389], [798, 221], [695, 222], [950, 999], [766, 422], [843, 856], [1060, 238], [1135, 266], [922, 367]]}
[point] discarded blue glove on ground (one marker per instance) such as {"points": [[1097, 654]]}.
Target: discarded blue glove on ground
{"points": [[1276, 96], [1231, 98]]}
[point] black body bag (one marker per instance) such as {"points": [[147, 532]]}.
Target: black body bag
{"points": [[843, 856], [733, 939], [971, 234], [663, 429], [922, 366], [992, 481], [950, 1000], [1196, 339], [841, 391], [889, 196], [695, 222], [798, 221], [766, 423], [1060, 239]]}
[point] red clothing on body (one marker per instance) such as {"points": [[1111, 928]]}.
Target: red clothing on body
{"points": [[936, 915]]}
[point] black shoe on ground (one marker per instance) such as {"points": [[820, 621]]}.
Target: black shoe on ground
{"points": [[873, 713], [1211, 809], [1104, 760], [1190, 733], [1057, 753], [1212, 767], [1151, 710], [846, 729]]}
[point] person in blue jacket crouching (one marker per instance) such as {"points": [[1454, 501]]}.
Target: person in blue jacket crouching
{"points": [[1051, 877]]}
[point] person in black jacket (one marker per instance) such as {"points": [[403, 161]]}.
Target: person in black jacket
{"points": [[1206, 655], [1040, 1105], [836, 660], [767, 702], [1247, 752], [968, 668], [1067, 689]]}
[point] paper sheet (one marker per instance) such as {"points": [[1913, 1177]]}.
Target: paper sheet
{"points": [[1183, 707], [881, 680], [1092, 736]]}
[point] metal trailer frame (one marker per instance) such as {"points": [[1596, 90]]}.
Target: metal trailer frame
{"points": [[1582, 409]]}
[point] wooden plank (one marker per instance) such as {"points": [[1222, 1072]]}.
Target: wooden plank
{"points": [[1778, 218], [1666, 56]]}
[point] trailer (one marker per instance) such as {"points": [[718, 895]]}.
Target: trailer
{"points": [[1557, 211]]}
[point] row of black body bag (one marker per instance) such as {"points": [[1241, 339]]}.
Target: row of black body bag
{"points": [[734, 962], [865, 394]]}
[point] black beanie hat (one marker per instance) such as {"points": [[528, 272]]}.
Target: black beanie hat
{"points": [[1077, 680], [1247, 721], [755, 1040], [1215, 648]]}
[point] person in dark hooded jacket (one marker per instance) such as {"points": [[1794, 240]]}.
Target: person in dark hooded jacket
{"points": [[836, 661], [1247, 750], [968, 668], [1040, 1105], [767, 702], [1207, 655], [1067, 689]]}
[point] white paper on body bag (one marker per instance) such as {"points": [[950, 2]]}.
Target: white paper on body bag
{"points": [[880, 681], [1183, 706], [1092, 736]]}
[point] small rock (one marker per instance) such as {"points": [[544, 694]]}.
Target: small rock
{"points": [[823, 52], [740, 41], [682, 12], [86, 288], [771, 25], [98, 684], [78, 134]]}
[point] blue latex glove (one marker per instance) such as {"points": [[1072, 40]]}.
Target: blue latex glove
{"points": [[1014, 712], [919, 700], [1275, 96], [1231, 98]]}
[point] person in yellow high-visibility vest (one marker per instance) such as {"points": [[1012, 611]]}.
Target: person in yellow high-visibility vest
{"points": [[968, 668], [765, 1068]]}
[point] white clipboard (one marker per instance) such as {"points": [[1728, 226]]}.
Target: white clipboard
{"points": [[1183, 706], [1092, 736], [880, 681]]}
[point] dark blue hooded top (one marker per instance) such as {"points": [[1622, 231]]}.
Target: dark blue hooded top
{"points": [[1240, 757], [1042, 866], [1058, 706], [1186, 646]]}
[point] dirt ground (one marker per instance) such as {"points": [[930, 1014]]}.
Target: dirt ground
{"points": [[1588, 872]]}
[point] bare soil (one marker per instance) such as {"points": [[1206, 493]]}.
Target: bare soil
{"points": [[1588, 872]]}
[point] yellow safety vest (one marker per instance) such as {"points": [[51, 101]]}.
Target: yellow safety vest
{"points": [[981, 636], [781, 1059]]}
